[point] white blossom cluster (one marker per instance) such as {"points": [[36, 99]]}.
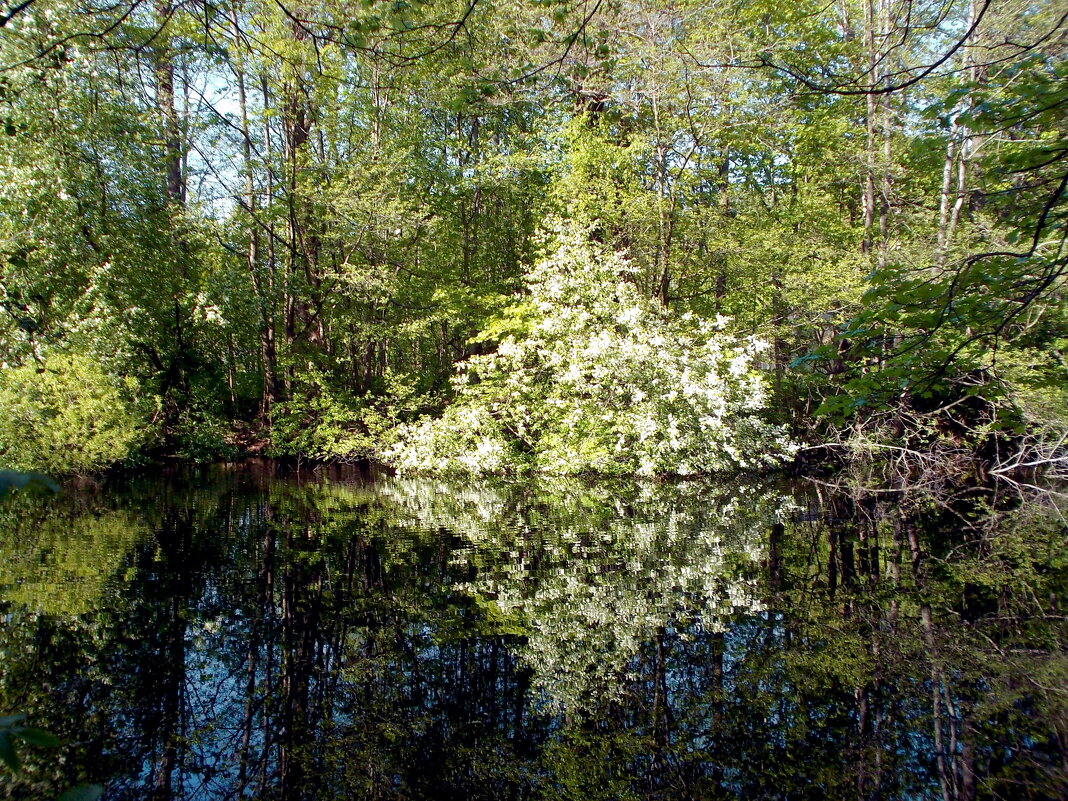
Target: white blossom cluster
{"points": [[589, 573], [592, 584], [604, 381]]}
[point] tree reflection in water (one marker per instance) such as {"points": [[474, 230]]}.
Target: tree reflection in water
{"points": [[240, 633]]}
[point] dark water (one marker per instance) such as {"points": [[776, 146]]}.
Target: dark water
{"points": [[239, 633]]}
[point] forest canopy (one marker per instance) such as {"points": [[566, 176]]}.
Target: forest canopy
{"points": [[409, 230]]}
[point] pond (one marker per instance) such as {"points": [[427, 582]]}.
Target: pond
{"points": [[252, 631]]}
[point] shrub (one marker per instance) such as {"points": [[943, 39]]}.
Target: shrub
{"points": [[597, 378], [325, 422], [66, 418], [200, 436]]}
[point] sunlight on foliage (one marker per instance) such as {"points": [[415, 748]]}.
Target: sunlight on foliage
{"points": [[604, 381], [66, 417]]}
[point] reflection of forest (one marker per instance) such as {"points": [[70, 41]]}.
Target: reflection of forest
{"points": [[240, 635]]}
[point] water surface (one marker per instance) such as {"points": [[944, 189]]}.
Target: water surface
{"points": [[251, 632]]}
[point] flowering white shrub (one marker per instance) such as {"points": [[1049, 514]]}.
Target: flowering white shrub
{"points": [[603, 381]]}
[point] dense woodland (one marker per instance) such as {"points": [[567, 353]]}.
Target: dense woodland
{"points": [[608, 236]]}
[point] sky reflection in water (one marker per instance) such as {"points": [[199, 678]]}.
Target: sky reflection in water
{"points": [[244, 633]]}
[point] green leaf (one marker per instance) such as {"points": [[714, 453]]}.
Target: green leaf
{"points": [[83, 792], [7, 751], [40, 737]]}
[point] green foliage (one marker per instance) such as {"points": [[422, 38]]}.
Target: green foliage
{"points": [[940, 325], [605, 382], [12, 730], [202, 437], [369, 199], [66, 417], [1038, 382], [324, 422]]}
